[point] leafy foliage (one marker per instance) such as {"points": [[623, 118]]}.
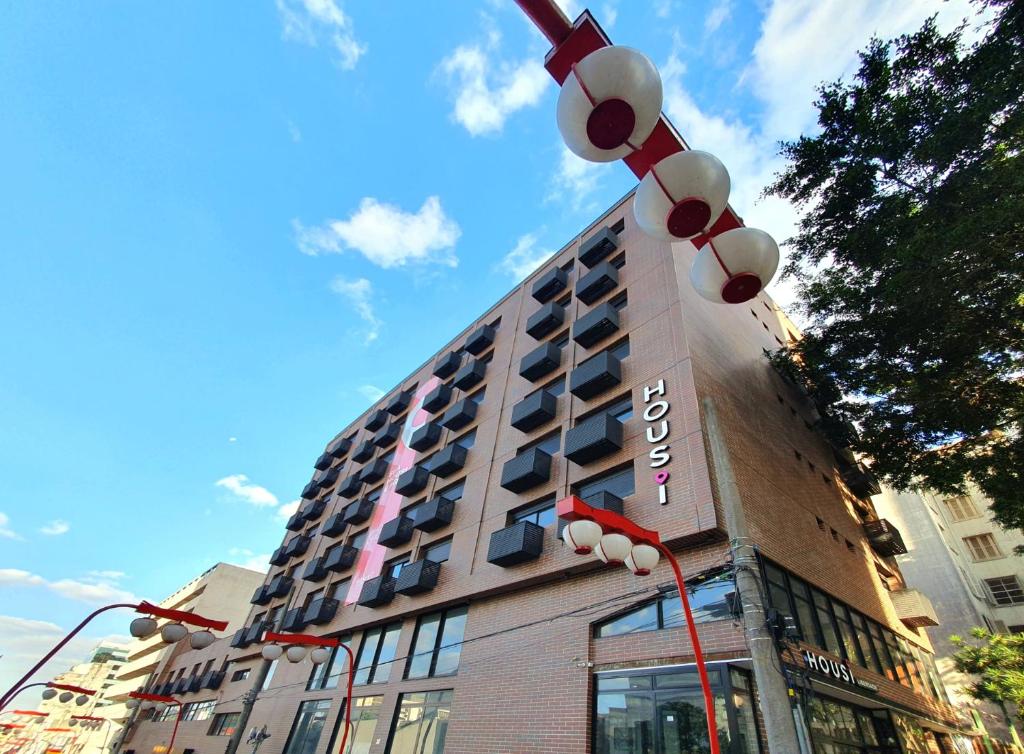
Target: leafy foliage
{"points": [[910, 258], [999, 663]]}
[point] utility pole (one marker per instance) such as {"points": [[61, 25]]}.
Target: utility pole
{"points": [[780, 723]]}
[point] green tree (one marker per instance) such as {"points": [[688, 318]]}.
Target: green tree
{"points": [[909, 259], [998, 662]]}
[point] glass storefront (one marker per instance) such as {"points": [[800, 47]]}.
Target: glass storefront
{"points": [[840, 728], [661, 711]]}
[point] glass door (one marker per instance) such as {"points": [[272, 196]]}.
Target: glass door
{"points": [[682, 725]]}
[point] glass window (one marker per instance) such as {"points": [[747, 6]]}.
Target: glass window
{"points": [[620, 350], [437, 644], [983, 547], [888, 667], [549, 444], [620, 483], [340, 589], [961, 508], [1005, 590], [309, 723], [467, 440], [805, 613], [478, 396], [327, 675], [358, 540], [198, 710], [541, 513], [394, 567], [867, 648], [438, 552], [365, 711], [377, 650], [224, 724], [561, 340], [619, 301], [828, 627], [555, 387], [421, 723], [455, 491], [709, 601], [241, 675], [644, 618], [850, 649], [270, 676]]}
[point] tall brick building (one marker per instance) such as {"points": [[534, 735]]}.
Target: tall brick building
{"points": [[427, 540]]}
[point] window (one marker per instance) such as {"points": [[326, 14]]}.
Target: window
{"points": [[982, 547], [496, 324], [357, 540], [620, 483], [377, 650], [421, 723], [169, 713], [309, 723], [455, 491], [365, 711], [619, 225], [198, 710], [541, 513], [387, 458], [618, 302], [340, 589], [564, 301], [709, 601], [438, 552], [961, 508], [561, 340], [555, 387], [478, 396], [467, 440], [569, 265], [1005, 590], [270, 676], [618, 262], [326, 674], [620, 350], [437, 644], [241, 675], [394, 567], [549, 444], [224, 724]]}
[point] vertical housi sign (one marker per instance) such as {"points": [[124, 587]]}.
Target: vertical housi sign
{"points": [[656, 409]]}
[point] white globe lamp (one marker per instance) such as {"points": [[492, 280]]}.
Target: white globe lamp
{"points": [[582, 536]]}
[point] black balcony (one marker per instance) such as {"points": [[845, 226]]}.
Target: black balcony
{"points": [[884, 538], [320, 611], [377, 592], [280, 585], [295, 522], [376, 420], [412, 481], [534, 411], [461, 414], [861, 481], [315, 570], [339, 448], [480, 340], [605, 501], [180, 686], [599, 281], [350, 486], [540, 361], [212, 679], [516, 544], [297, 545], [279, 557], [260, 596], [237, 641], [470, 375], [437, 398], [195, 683], [399, 402], [418, 577], [595, 375], [328, 479], [254, 632], [364, 452], [310, 490], [595, 325], [526, 471], [545, 320], [598, 246], [550, 284], [388, 435], [374, 471], [425, 436], [434, 514], [340, 558], [396, 532], [593, 438], [314, 510], [294, 621], [447, 364], [448, 460], [323, 462], [359, 511], [335, 525]]}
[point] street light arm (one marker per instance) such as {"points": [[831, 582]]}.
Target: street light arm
{"points": [[181, 616], [549, 18]]}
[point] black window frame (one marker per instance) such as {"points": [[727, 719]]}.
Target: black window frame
{"points": [[373, 668], [459, 611]]}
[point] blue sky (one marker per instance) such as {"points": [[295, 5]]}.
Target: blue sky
{"points": [[225, 228]]}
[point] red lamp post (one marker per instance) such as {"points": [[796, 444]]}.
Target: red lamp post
{"points": [[160, 699], [617, 540], [141, 628]]}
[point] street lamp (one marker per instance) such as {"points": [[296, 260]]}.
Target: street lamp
{"points": [[615, 539], [139, 628]]}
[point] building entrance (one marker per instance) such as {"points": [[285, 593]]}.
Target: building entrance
{"points": [[840, 728]]}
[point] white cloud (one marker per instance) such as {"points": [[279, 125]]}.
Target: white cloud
{"points": [[524, 258], [358, 293], [17, 577], [386, 235], [576, 180], [287, 510], [571, 8], [609, 15], [232, 439], [113, 575], [486, 93], [248, 559], [372, 393], [311, 21], [56, 527], [662, 8], [294, 132], [88, 589], [719, 14], [5, 531], [240, 486], [26, 640]]}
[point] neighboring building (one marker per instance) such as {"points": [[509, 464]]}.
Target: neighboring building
{"points": [[428, 541], [966, 564], [219, 592]]}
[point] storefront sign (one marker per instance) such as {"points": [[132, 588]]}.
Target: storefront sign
{"points": [[837, 669], [655, 413]]}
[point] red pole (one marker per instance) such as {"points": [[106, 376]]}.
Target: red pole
{"points": [[348, 700], [170, 746], [549, 18], [702, 672], [17, 686]]}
